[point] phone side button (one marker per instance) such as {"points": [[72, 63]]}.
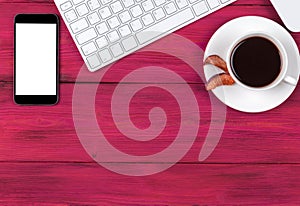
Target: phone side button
{"points": [[93, 61]]}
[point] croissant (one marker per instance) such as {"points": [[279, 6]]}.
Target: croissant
{"points": [[216, 61], [219, 79]]}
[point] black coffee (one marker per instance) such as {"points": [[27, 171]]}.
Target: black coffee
{"points": [[256, 62]]}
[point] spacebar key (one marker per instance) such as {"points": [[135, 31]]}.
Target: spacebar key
{"points": [[165, 26]]}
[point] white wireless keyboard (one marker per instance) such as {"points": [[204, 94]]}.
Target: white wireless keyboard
{"points": [[107, 30]]}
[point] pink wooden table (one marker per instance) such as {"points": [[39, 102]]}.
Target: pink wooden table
{"points": [[43, 163]]}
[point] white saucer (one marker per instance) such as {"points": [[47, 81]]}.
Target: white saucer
{"points": [[236, 96]]}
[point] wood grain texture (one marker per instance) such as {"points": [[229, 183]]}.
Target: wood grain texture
{"points": [[89, 184], [48, 134], [43, 163]]}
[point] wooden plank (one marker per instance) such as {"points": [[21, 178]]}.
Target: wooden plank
{"points": [[192, 184], [71, 62], [37, 133]]}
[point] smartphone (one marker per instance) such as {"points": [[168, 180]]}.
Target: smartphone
{"points": [[36, 72]]}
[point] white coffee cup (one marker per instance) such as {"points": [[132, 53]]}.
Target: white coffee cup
{"points": [[282, 77]]}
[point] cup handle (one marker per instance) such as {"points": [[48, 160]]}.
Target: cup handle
{"points": [[290, 80]]}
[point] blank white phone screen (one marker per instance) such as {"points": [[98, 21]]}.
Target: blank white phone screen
{"points": [[35, 59]]}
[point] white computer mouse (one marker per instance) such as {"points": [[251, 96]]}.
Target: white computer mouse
{"points": [[289, 13]]}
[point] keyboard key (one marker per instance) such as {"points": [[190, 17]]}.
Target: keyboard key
{"points": [[86, 36], [93, 18], [93, 4], [165, 26], [147, 19], [77, 1], [113, 22], [159, 14], [116, 6], [105, 1], [125, 17], [170, 8], [136, 25], [79, 25], [116, 50], [105, 12], [105, 56], [136, 11], [160, 2], [82, 10], [113, 36], [224, 1], [200, 8], [102, 28], [124, 30], [93, 61], [101, 42], [213, 3], [129, 43], [181, 3], [147, 5], [66, 6], [128, 3], [89, 48], [192, 1], [70, 15]]}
